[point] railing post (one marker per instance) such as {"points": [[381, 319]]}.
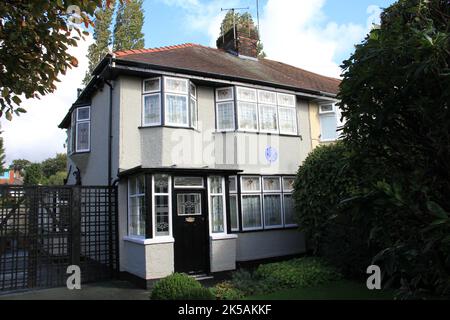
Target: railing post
{"points": [[76, 226]]}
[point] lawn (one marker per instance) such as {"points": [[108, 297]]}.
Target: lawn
{"points": [[338, 290]]}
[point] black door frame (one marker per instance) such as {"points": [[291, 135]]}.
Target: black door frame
{"points": [[205, 209]]}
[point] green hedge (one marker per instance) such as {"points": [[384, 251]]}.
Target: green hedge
{"points": [[324, 183], [180, 287]]}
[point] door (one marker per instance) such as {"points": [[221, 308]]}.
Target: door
{"points": [[190, 231]]}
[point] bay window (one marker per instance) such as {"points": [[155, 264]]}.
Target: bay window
{"points": [[179, 102], [217, 204], [256, 110], [136, 206], [79, 134]]}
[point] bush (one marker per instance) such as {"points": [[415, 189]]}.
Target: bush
{"points": [[226, 291], [180, 287], [297, 273], [324, 182]]}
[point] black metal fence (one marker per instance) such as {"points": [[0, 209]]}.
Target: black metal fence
{"points": [[43, 230]]}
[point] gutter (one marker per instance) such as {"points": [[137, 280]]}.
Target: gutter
{"points": [[128, 65], [110, 136]]}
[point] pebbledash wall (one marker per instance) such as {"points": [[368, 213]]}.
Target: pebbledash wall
{"points": [[164, 147]]}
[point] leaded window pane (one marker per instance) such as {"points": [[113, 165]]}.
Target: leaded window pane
{"points": [[251, 211], [217, 214], [176, 109], [225, 116], [272, 210], [162, 215], [287, 120], [248, 117], [268, 118], [152, 109]]}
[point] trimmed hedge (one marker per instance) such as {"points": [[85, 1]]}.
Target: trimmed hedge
{"points": [[180, 286]]}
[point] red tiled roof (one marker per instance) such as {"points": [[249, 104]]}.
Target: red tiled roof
{"points": [[198, 58]]}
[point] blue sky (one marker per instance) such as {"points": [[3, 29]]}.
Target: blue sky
{"points": [[165, 19], [312, 34]]}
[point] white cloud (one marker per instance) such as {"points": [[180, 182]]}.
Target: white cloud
{"points": [[292, 31], [297, 33], [35, 135]]}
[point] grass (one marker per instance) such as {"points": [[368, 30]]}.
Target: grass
{"points": [[338, 290]]}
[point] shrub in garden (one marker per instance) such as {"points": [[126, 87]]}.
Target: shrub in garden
{"points": [[297, 273], [180, 286], [324, 182], [226, 291]]}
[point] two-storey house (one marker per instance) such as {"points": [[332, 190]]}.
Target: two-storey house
{"points": [[203, 144]]}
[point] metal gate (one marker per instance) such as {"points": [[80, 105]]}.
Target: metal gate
{"points": [[43, 230]]}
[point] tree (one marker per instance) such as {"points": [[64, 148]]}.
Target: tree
{"points": [[395, 97], [102, 38], [34, 38], [2, 155], [57, 179], [20, 164], [128, 27], [52, 166], [243, 21], [33, 174]]}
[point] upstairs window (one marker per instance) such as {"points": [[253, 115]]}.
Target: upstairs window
{"points": [[225, 109], [256, 111], [247, 109], [82, 124], [179, 97], [329, 115], [152, 102]]}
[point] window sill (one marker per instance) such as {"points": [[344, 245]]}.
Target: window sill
{"points": [[79, 152], [157, 240], [223, 236], [328, 140], [168, 126], [259, 132]]}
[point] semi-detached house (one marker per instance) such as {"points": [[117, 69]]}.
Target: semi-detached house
{"points": [[203, 145]]}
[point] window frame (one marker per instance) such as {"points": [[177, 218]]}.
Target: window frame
{"points": [[158, 93], [169, 206], [295, 132], [136, 195], [261, 227], [166, 118], [280, 196], [238, 107], [151, 91], [189, 186], [277, 130], [77, 122], [224, 206]]}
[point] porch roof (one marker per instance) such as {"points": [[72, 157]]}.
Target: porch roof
{"points": [[178, 170]]}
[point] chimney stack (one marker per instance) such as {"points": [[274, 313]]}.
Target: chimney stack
{"points": [[242, 40]]}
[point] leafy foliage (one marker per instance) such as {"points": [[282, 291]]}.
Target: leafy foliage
{"points": [[128, 26], [34, 37], [226, 291], [323, 184], [52, 166], [296, 273], [33, 174], [102, 38], [20, 164], [180, 286], [395, 96]]}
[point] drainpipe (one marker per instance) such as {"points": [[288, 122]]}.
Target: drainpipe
{"points": [[110, 131]]}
